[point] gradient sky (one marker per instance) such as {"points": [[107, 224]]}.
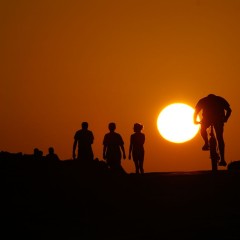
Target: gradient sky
{"points": [[64, 62]]}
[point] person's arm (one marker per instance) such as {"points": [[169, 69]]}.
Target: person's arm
{"points": [[121, 145], [74, 149], [228, 114], [104, 151], [123, 151], [130, 149], [195, 115], [105, 144], [92, 138]]}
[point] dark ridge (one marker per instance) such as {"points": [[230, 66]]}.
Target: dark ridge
{"points": [[70, 200]]}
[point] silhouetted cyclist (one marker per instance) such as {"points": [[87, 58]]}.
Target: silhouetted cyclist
{"points": [[216, 111]]}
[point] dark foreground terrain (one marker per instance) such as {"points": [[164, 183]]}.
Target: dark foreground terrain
{"points": [[66, 200]]}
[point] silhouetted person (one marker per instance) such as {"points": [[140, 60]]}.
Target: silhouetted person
{"points": [[52, 156], [84, 139], [136, 148], [37, 154], [113, 149], [215, 110]]}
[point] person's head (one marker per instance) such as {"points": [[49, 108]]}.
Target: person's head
{"points": [[112, 126], [137, 127], [84, 125], [51, 150], [36, 151], [211, 95]]}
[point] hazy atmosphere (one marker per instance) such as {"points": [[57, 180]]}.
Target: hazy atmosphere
{"points": [[64, 62]]}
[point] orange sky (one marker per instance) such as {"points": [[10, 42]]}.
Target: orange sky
{"points": [[64, 62]]}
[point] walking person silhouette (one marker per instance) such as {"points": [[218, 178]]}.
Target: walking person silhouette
{"points": [[136, 148], [113, 149], [83, 138]]}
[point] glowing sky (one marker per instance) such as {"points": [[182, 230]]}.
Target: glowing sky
{"points": [[64, 62]]}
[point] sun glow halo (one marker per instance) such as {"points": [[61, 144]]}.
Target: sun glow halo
{"points": [[175, 123]]}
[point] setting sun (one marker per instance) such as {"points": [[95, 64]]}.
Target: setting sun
{"points": [[175, 123]]}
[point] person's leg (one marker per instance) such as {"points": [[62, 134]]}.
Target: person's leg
{"points": [[136, 165], [141, 165], [204, 135], [109, 163], [221, 143]]}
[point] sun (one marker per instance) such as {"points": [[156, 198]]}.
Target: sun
{"points": [[175, 123]]}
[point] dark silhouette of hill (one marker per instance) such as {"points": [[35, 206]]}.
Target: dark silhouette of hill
{"points": [[68, 200]]}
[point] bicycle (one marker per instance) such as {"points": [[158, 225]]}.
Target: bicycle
{"points": [[213, 148]]}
